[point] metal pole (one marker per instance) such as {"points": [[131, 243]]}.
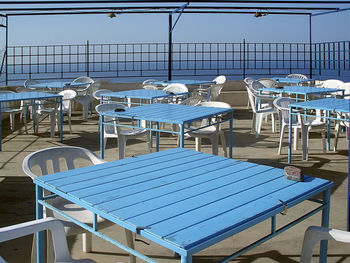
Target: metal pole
{"points": [[310, 41], [87, 58], [170, 48], [6, 47]]}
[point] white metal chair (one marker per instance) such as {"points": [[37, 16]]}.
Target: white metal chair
{"points": [[315, 234], [211, 132], [57, 159], [260, 111], [6, 107], [84, 94], [176, 88], [68, 96], [122, 134], [60, 247], [304, 126]]}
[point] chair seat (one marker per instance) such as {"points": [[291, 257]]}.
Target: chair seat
{"points": [[314, 123], [74, 211], [131, 132], [265, 110], [202, 131]]}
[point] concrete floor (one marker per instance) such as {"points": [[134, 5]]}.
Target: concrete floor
{"points": [[17, 191]]}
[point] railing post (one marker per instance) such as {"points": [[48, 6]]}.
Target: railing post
{"points": [[170, 46], [87, 58], [244, 58], [6, 50]]}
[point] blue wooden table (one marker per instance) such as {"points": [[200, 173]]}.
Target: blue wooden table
{"points": [[58, 85], [182, 115], [305, 91], [185, 200], [141, 94], [189, 82], [32, 96], [331, 106]]}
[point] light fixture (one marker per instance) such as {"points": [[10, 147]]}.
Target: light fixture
{"points": [[111, 15]]}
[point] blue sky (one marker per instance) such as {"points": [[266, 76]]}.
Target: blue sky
{"points": [[131, 28]]}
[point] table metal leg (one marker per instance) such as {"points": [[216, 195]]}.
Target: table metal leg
{"points": [[231, 135], [157, 136], [61, 120], [325, 223], [0, 130], [182, 137], [40, 235], [290, 138], [101, 137]]}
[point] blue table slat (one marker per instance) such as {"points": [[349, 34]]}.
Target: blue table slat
{"points": [[302, 90]]}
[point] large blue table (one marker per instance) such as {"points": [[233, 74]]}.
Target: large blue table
{"points": [[182, 115], [32, 96], [141, 94], [185, 200], [331, 106], [302, 90]]}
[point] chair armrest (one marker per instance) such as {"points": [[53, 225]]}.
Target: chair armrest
{"points": [[314, 234]]}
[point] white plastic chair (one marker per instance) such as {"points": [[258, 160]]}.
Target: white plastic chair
{"points": [[57, 159], [332, 84], [210, 132], [42, 110], [176, 88], [149, 82], [84, 94], [296, 76], [304, 126], [29, 82], [260, 111], [315, 234], [97, 94], [268, 83], [150, 87], [12, 111], [60, 247], [248, 81], [122, 134], [68, 96], [220, 79]]}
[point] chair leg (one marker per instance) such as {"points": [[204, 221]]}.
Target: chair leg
{"points": [[273, 123], [254, 123], [259, 119], [214, 141], [323, 134], [305, 142], [130, 244], [281, 140], [70, 123], [336, 138], [12, 121], [223, 143], [87, 242], [198, 142], [121, 146]]}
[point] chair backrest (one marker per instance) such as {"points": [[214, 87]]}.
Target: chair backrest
{"points": [[248, 80], [110, 129], [29, 82], [176, 88], [57, 159], [5, 106], [251, 97], [332, 83], [214, 104], [220, 79], [215, 92], [346, 87], [255, 86], [148, 81], [150, 87], [194, 100], [83, 89], [296, 76], [268, 83], [97, 93], [281, 104], [68, 96]]}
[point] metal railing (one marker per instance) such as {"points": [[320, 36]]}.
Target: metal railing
{"points": [[137, 61]]}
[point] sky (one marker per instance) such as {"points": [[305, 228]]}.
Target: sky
{"points": [[138, 28]]}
